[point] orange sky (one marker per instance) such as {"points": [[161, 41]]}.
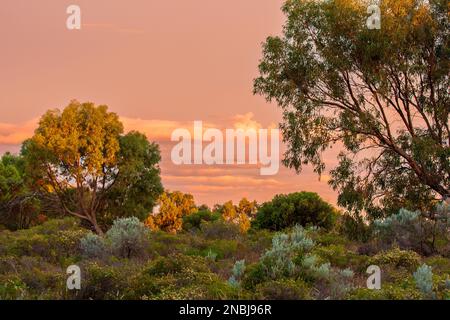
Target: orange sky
{"points": [[159, 65]]}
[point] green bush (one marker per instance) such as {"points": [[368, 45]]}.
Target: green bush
{"points": [[101, 281], [178, 277], [388, 291], [278, 260], [285, 289], [303, 208], [13, 289], [93, 246], [195, 220], [219, 229], [54, 241], [424, 280], [354, 228], [396, 258], [254, 274], [176, 264]]}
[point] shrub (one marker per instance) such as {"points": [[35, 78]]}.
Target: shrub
{"points": [[237, 273], [341, 257], [284, 289], [54, 241], [220, 229], [176, 264], [278, 260], [415, 230], [93, 246], [354, 228], [102, 281], [13, 289], [221, 248], [388, 291], [195, 220], [128, 237], [424, 280], [254, 274], [396, 258], [303, 208]]}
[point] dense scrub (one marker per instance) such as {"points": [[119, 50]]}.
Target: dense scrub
{"points": [[209, 259]]}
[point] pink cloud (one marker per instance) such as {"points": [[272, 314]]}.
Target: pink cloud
{"points": [[14, 134]]}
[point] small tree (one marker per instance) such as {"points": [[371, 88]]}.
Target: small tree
{"points": [[301, 208], [173, 206], [228, 210], [84, 165], [19, 206]]}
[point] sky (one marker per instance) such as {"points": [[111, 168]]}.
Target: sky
{"points": [[160, 65]]}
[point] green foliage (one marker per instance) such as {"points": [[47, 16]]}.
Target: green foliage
{"points": [[176, 264], [84, 166], [302, 208], [424, 280], [396, 258], [285, 289], [278, 260], [341, 257], [415, 230], [236, 273], [13, 289], [138, 184], [128, 237], [93, 246], [195, 220], [387, 292], [354, 228], [54, 241], [19, 206], [299, 264], [220, 229], [338, 81], [254, 275]]}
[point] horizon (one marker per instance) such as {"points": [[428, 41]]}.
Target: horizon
{"points": [[156, 76]]}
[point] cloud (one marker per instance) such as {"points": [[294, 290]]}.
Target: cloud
{"points": [[15, 134], [208, 184]]}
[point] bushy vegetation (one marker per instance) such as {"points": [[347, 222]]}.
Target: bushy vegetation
{"points": [[212, 259], [303, 208]]}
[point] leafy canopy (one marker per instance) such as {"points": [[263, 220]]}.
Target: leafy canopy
{"points": [[86, 167], [381, 95], [301, 208]]}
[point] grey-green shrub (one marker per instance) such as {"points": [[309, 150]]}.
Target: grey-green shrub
{"points": [[237, 273], [278, 259], [93, 246], [424, 280], [415, 230], [128, 237]]}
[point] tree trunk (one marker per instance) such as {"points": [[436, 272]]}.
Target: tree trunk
{"points": [[97, 228]]}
